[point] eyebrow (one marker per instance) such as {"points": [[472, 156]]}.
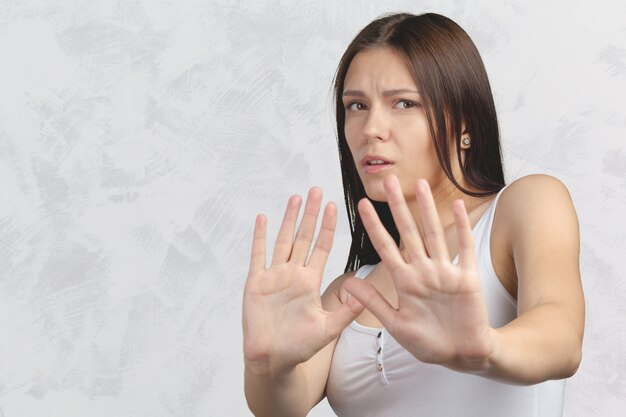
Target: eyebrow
{"points": [[357, 93]]}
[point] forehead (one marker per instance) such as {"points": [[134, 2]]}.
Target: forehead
{"points": [[379, 67]]}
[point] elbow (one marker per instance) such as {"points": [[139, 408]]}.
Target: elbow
{"points": [[574, 362], [571, 363], [577, 353], [574, 348]]}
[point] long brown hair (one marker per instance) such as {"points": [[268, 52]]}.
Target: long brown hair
{"points": [[453, 83]]}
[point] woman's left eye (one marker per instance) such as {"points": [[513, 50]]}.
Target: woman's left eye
{"points": [[405, 104]]}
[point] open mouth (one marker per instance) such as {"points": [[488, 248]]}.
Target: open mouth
{"points": [[375, 165], [377, 162]]}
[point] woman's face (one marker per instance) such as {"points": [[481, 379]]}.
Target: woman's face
{"points": [[385, 125]]}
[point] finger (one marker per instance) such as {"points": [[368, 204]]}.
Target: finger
{"points": [[372, 300], [464, 235], [403, 218], [341, 318], [324, 241], [383, 242], [306, 231], [284, 241], [433, 231], [257, 258]]}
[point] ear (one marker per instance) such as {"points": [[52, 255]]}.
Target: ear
{"points": [[466, 140]]}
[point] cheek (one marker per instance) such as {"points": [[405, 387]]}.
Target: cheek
{"points": [[351, 126], [351, 138]]}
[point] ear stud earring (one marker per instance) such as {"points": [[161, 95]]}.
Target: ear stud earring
{"points": [[466, 141]]}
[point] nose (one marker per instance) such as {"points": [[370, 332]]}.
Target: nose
{"points": [[376, 126]]}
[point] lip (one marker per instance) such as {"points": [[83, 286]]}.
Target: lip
{"points": [[374, 169]]}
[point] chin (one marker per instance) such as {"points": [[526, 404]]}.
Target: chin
{"points": [[376, 192]]}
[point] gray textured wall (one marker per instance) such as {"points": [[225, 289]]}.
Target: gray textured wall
{"points": [[138, 139]]}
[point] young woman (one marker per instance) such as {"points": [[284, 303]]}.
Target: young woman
{"points": [[461, 296]]}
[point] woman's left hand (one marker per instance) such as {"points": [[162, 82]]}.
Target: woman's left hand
{"points": [[441, 316]]}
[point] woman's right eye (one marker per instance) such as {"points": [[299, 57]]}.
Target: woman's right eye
{"points": [[356, 106]]}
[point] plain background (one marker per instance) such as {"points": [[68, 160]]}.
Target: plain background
{"points": [[139, 139]]}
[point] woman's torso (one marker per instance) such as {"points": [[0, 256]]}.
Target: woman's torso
{"points": [[373, 375]]}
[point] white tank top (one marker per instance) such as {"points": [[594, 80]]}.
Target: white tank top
{"points": [[373, 375]]}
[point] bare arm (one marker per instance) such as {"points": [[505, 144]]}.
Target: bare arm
{"points": [[545, 340]]}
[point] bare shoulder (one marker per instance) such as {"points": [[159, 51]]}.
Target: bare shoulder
{"points": [[536, 210], [534, 188], [536, 197], [335, 294]]}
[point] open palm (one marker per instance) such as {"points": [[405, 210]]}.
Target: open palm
{"points": [[283, 320], [441, 316]]}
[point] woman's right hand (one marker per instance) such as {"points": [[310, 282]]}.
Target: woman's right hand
{"points": [[284, 323]]}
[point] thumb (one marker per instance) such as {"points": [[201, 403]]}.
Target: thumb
{"points": [[371, 299], [341, 318]]}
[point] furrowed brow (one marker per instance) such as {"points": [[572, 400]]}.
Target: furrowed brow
{"points": [[389, 93], [353, 93]]}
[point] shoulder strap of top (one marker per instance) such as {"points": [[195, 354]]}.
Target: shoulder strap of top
{"points": [[489, 215], [364, 271], [482, 243], [484, 223]]}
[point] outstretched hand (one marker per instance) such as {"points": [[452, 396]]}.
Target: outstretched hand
{"points": [[284, 323], [441, 316]]}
